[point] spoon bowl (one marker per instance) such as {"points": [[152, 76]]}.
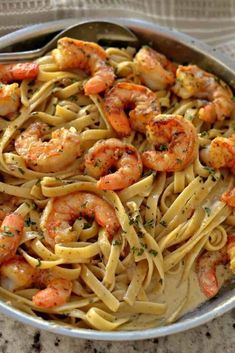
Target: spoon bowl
{"points": [[101, 32]]}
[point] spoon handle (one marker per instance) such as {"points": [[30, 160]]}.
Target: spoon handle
{"points": [[21, 55]]}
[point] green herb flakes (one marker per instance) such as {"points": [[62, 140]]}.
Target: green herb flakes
{"points": [[153, 252], [208, 211], [7, 232]]}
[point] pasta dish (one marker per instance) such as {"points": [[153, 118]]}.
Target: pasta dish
{"points": [[117, 186]]}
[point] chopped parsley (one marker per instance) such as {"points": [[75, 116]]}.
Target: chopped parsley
{"points": [[140, 234], [147, 173], [38, 182], [58, 179], [153, 252], [84, 204], [178, 160], [204, 133], [39, 263], [7, 232], [143, 245], [163, 148], [86, 225], [190, 117], [134, 221], [28, 222], [138, 251], [21, 171], [97, 162], [73, 98], [117, 242], [149, 223], [210, 170], [163, 223], [208, 211]]}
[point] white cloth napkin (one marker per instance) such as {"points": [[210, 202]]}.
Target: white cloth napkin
{"points": [[210, 20]]}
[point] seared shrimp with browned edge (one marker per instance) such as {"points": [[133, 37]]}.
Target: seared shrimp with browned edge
{"points": [[175, 141], [88, 56], [10, 94], [10, 235], [141, 101], [191, 81], [18, 72], [113, 153], [62, 211], [48, 156], [220, 153], [16, 274], [154, 69]]}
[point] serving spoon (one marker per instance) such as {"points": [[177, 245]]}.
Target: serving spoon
{"points": [[101, 32]]}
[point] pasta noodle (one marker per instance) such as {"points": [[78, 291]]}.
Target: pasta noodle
{"points": [[142, 272]]}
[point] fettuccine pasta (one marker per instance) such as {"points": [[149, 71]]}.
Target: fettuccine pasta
{"points": [[117, 187]]}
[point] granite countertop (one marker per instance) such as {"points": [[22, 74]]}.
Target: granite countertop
{"points": [[217, 336]]}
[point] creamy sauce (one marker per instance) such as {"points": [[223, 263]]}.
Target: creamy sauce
{"points": [[174, 295]]}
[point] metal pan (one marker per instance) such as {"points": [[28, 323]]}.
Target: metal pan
{"points": [[183, 49]]}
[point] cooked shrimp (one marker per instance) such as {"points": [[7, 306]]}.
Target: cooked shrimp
{"points": [[229, 198], [18, 72], [52, 156], [10, 235], [141, 101], [231, 251], [16, 274], [62, 211], [155, 70], [113, 153], [206, 270], [9, 98], [88, 56], [191, 81], [175, 139], [220, 153], [56, 293]]}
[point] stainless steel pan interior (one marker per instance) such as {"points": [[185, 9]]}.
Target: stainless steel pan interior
{"points": [[182, 49]]}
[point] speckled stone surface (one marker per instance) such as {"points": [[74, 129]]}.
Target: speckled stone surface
{"points": [[216, 337]]}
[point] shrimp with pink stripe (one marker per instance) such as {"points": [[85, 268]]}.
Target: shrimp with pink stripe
{"points": [[88, 56], [62, 211], [220, 153], [175, 142], [191, 81], [154, 69], [113, 153], [142, 103]]}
